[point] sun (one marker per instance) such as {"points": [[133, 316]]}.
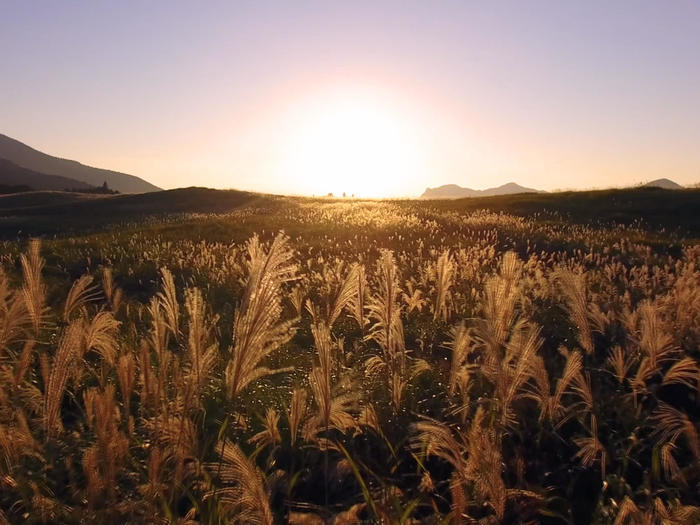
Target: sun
{"points": [[354, 145]]}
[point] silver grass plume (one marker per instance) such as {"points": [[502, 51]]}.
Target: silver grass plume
{"points": [[357, 303], [385, 311], [81, 293], [33, 289], [444, 277], [244, 493], [69, 347], [257, 328]]}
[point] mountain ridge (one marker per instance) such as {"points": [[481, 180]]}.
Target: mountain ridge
{"points": [[454, 191], [37, 161], [13, 175]]}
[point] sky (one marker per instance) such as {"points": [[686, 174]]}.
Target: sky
{"points": [[375, 98]]}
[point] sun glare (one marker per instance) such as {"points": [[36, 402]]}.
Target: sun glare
{"points": [[354, 146]]}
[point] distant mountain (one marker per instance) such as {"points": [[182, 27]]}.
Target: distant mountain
{"points": [[13, 175], [452, 191], [31, 159], [666, 184]]}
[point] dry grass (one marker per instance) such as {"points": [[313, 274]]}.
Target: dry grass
{"points": [[244, 495], [257, 328], [476, 368]]}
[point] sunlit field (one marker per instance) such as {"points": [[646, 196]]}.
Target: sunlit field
{"points": [[327, 361]]}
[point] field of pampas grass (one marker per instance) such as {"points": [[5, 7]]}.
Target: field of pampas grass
{"points": [[351, 362]]}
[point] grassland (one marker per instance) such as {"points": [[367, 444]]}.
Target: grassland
{"points": [[174, 358]]}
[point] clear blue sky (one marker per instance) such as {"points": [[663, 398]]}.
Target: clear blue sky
{"points": [[550, 94]]}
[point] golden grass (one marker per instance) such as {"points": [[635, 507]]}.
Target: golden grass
{"points": [[257, 327], [449, 381]]}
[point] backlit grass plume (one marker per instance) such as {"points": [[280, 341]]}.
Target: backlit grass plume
{"points": [[583, 312], [81, 293], [202, 347], [244, 494], [358, 303], [443, 276], [257, 327], [387, 330], [70, 347], [385, 311], [14, 315], [333, 399], [34, 290]]}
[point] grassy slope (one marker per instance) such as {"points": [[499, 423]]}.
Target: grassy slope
{"points": [[56, 213], [656, 207], [22, 203]]}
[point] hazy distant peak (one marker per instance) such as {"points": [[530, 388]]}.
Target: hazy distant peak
{"points": [[666, 184], [453, 191], [510, 185]]}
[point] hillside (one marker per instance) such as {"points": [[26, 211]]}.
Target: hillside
{"points": [[23, 203], [181, 200], [453, 191], [29, 158], [51, 213], [656, 208], [13, 175]]}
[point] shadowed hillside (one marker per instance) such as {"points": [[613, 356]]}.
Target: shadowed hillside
{"points": [[13, 175], [60, 213], [655, 207], [22, 203], [50, 213], [34, 160]]}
